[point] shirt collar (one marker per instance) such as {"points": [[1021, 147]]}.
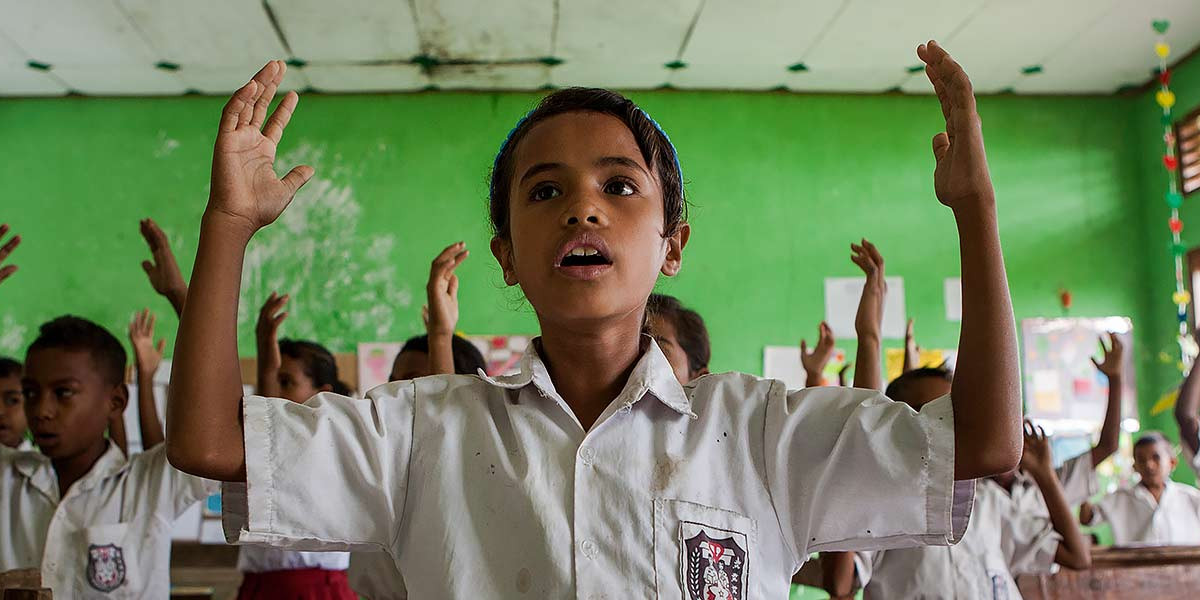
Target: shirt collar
{"points": [[652, 373], [38, 469]]}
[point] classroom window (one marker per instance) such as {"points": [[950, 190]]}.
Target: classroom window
{"points": [[1187, 140]]}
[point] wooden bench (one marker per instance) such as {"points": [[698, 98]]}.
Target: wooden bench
{"points": [[1121, 574]]}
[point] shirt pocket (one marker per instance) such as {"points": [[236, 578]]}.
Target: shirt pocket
{"points": [[702, 552], [109, 557]]}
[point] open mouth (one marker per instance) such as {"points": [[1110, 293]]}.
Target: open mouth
{"points": [[585, 258], [44, 439]]}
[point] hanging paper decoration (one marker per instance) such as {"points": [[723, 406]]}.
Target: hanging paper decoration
{"points": [[1166, 100]]}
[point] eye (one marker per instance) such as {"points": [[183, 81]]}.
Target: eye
{"points": [[620, 187], [544, 191], [64, 392]]}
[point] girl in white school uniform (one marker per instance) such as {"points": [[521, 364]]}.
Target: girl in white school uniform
{"points": [[592, 472]]}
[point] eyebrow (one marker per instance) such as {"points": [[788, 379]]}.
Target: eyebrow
{"points": [[604, 161]]}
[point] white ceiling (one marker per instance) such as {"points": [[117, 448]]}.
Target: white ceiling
{"points": [[165, 47]]}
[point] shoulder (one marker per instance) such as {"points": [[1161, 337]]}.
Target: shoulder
{"points": [[432, 386]]}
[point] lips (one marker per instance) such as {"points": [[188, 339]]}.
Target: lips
{"points": [[45, 439], [584, 257]]}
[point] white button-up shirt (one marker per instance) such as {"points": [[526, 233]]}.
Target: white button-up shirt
{"points": [[490, 488], [1136, 519], [1000, 541], [110, 537]]}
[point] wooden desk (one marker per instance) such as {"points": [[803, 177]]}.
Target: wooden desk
{"points": [[204, 571], [1122, 574]]}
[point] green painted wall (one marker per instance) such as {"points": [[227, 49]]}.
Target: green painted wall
{"points": [[781, 184]]}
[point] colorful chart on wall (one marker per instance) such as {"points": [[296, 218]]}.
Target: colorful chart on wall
{"points": [[1063, 390], [502, 353], [930, 357]]}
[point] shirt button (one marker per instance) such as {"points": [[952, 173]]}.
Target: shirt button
{"points": [[587, 454], [588, 548]]}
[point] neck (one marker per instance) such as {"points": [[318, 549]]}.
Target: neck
{"points": [[1155, 488], [72, 468], [590, 362]]}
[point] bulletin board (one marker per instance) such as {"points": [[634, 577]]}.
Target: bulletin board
{"points": [[1063, 389]]}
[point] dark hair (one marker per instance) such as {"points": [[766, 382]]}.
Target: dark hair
{"points": [[898, 388], [75, 333], [9, 367], [318, 363], [654, 144], [467, 358], [1150, 438], [689, 328]]}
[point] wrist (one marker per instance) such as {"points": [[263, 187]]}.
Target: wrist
{"points": [[230, 227], [975, 209]]}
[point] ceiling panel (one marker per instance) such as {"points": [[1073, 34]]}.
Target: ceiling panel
{"points": [[620, 29], [224, 80], [768, 32], [856, 80], [495, 30], [348, 30], [11, 55], [870, 34], [610, 74], [212, 32], [74, 32], [121, 81], [366, 78], [22, 81], [491, 77], [726, 76]]}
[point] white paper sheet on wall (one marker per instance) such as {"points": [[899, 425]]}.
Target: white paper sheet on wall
{"points": [[841, 306], [783, 363], [952, 290]]}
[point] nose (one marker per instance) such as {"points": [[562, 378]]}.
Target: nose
{"points": [[41, 407], [585, 209]]}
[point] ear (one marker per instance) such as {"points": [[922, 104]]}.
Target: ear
{"points": [[701, 373], [674, 259], [502, 250], [118, 399], [325, 388]]}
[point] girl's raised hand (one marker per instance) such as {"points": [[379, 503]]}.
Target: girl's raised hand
{"points": [[441, 318], [245, 188], [961, 178], [868, 322], [814, 362]]}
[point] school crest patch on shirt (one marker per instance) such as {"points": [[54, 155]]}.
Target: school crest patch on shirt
{"points": [[714, 565], [106, 567]]}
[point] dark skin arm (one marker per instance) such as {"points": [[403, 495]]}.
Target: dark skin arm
{"points": [[147, 357], [814, 361], [204, 426], [442, 311], [912, 352], [163, 271], [1113, 367], [1074, 552], [986, 391], [837, 568], [1187, 409], [6, 271], [266, 334]]}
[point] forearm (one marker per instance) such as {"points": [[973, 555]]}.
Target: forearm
{"points": [[267, 373], [148, 422], [837, 573], [204, 430], [177, 298], [813, 379], [867, 371], [1074, 551], [1110, 431], [1187, 410], [986, 389], [441, 354]]}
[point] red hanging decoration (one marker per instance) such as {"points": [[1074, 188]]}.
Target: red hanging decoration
{"points": [[1176, 225], [1170, 162], [1165, 77], [1064, 297]]}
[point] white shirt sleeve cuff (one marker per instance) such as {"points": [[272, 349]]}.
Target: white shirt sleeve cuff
{"points": [[949, 502]]}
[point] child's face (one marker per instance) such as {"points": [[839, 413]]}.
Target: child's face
{"points": [[68, 402], [924, 390], [294, 383], [668, 340], [580, 184], [12, 411], [1153, 462], [410, 364]]}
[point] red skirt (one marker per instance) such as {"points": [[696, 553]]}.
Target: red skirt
{"points": [[298, 584]]}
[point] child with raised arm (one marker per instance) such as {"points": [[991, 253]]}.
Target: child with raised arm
{"points": [[6, 271], [1154, 511], [591, 469], [95, 523]]}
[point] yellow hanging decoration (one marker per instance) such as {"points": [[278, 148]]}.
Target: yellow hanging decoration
{"points": [[1162, 49], [1181, 297], [1165, 98]]}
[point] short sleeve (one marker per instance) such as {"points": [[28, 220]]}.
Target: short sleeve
{"points": [[1030, 544], [1192, 459], [327, 475], [849, 469], [177, 489], [1078, 477]]}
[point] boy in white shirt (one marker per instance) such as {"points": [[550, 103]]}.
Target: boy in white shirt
{"points": [[1155, 511], [591, 471], [13, 425], [96, 524]]}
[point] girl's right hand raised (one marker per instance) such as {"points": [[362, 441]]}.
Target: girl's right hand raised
{"points": [[245, 188]]}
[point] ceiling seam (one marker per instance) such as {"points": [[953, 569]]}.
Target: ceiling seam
{"points": [[278, 30], [687, 35]]}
